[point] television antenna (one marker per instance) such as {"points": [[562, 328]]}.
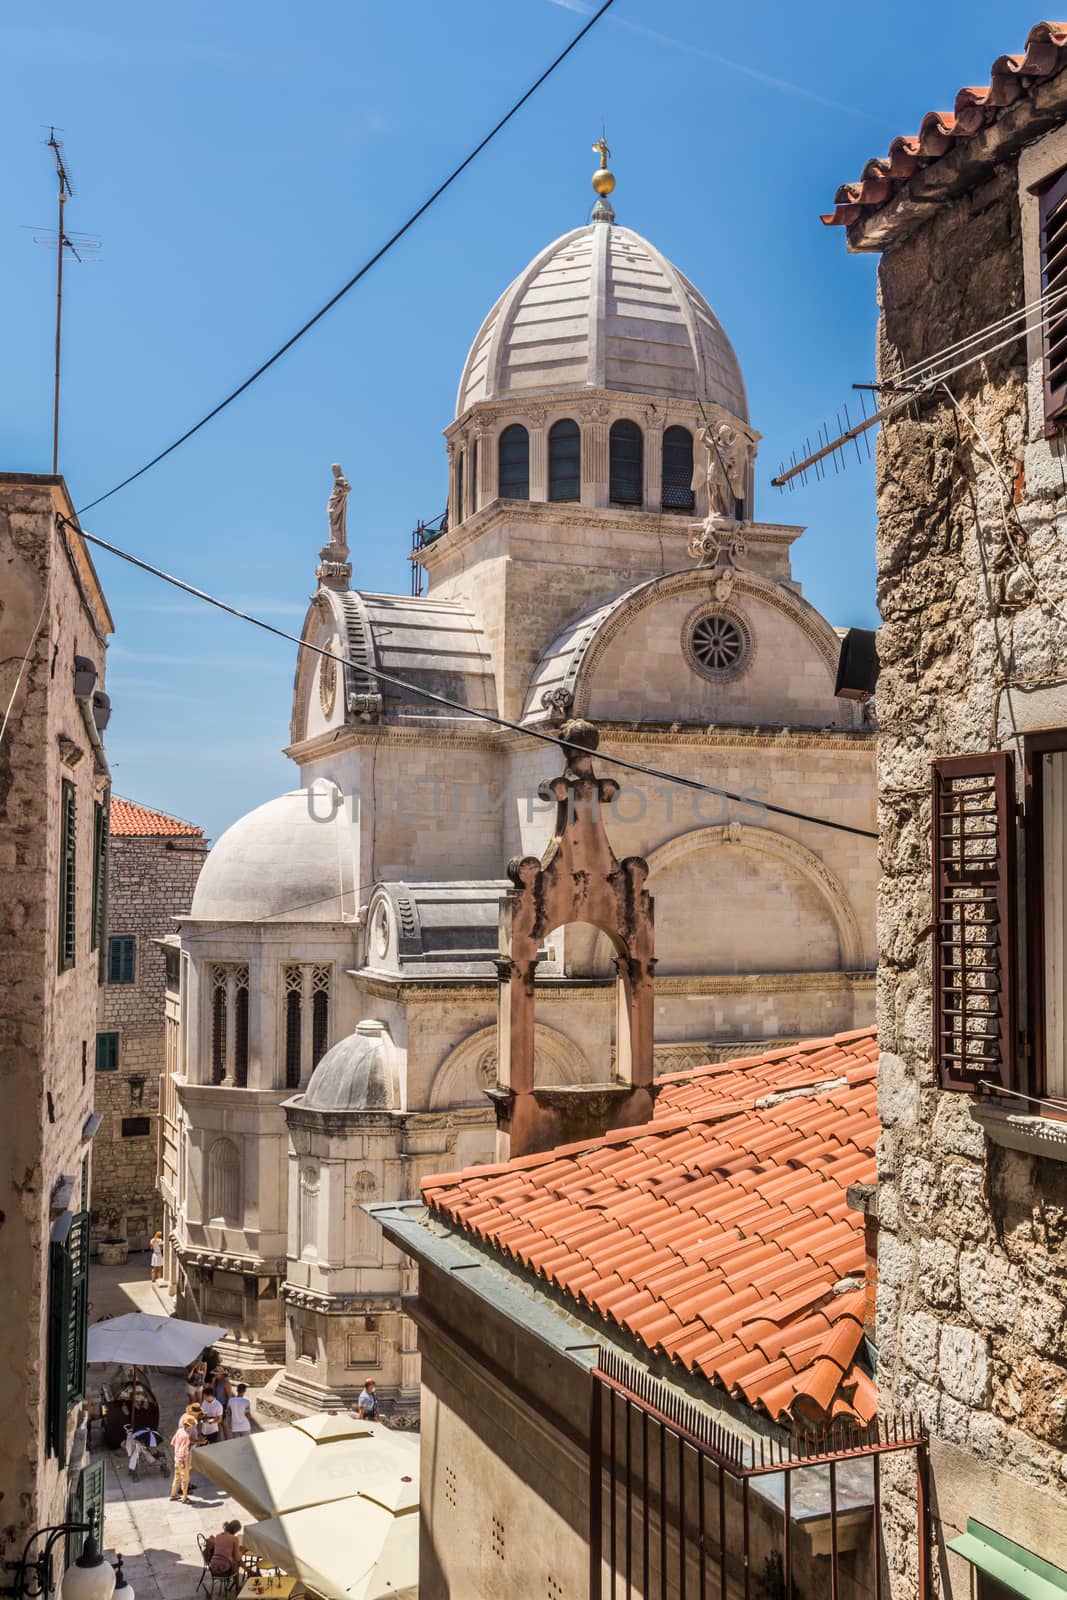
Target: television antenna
{"points": [[81, 246]]}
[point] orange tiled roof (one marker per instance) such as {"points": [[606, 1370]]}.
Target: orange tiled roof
{"points": [[129, 818], [718, 1233], [1011, 78]]}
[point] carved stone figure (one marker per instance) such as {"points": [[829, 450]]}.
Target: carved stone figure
{"points": [[336, 506], [726, 453]]}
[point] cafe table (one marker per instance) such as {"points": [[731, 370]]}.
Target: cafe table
{"points": [[268, 1586]]}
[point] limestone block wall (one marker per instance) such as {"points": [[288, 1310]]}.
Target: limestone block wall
{"points": [[972, 1254], [51, 609], [151, 882]]}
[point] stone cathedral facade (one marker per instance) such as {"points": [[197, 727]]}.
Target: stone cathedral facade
{"points": [[602, 560]]}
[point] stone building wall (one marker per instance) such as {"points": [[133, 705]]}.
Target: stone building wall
{"points": [[972, 1244], [51, 610], [151, 882]]}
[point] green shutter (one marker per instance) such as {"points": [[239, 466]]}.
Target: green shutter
{"points": [[107, 1052], [121, 960], [86, 1505], [101, 832], [68, 1320], [68, 876]]}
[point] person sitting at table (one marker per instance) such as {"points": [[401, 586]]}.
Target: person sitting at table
{"points": [[226, 1551]]}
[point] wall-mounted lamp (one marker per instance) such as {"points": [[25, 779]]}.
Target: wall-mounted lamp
{"points": [[89, 1578]]}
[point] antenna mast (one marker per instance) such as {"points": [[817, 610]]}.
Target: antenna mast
{"points": [[63, 244]]}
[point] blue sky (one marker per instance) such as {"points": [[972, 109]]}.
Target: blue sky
{"points": [[240, 161]]}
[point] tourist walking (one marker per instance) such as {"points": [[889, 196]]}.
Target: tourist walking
{"points": [[157, 1256], [211, 1420], [368, 1402], [195, 1376], [182, 1445], [239, 1408], [223, 1391]]}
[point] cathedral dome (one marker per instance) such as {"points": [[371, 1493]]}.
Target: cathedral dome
{"points": [[288, 861], [354, 1074], [600, 308]]}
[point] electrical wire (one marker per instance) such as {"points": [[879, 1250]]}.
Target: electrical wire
{"points": [[22, 667], [469, 711], [367, 265], [1043, 301]]}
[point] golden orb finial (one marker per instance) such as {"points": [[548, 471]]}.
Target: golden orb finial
{"points": [[603, 180]]}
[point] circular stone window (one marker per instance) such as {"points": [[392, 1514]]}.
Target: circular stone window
{"points": [[327, 684], [717, 643], [380, 931]]}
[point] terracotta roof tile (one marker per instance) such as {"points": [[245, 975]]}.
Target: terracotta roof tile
{"points": [[715, 1233], [1011, 78], [128, 820]]}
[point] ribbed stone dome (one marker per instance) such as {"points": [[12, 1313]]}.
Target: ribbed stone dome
{"points": [[354, 1075], [602, 309]]}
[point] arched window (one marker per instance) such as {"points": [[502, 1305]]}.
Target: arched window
{"points": [[626, 464], [564, 461], [678, 470], [513, 463], [224, 1181]]}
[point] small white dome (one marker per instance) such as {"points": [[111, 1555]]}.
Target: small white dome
{"points": [[290, 860], [354, 1074], [602, 309]]}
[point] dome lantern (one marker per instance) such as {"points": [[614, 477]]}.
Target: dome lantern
{"points": [[603, 183]]}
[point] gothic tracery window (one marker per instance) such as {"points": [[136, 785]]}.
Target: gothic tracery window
{"points": [[229, 1024], [305, 1022]]}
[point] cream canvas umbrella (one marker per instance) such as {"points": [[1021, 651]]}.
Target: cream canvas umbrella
{"points": [[351, 1549], [147, 1339], [315, 1460]]}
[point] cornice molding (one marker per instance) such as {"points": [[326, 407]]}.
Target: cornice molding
{"points": [[433, 991]]}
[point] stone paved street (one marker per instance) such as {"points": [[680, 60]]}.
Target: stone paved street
{"points": [[157, 1538]]}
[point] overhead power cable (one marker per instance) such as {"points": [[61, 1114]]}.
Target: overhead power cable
{"points": [[467, 711], [367, 265]]}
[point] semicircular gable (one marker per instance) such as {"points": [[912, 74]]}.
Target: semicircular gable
{"points": [[470, 1069], [319, 697], [642, 665]]}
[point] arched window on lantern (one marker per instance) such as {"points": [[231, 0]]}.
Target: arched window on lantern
{"points": [[677, 470], [224, 1181], [458, 511], [564, 460], [513, 463], [626, 464]]}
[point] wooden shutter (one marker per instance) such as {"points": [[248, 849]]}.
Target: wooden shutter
{"points": [[68, 876], [974, 916], [1054, 278], [68, 1325], [86, 1504], [100, 844], [107, 1052]]}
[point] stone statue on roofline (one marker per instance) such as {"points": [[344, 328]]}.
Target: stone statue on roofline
{"points": [[725, 467], [334, 569]]}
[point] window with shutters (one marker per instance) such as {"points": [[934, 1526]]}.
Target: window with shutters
{"points": [[86, 1504], [107, 1052], [1053, 214], [68, 876], [121, 960], [974, 920], [1045, 785], [677, 492], [100, 842], [513, 463], [564, 461], [626, 464], [68, 1310]]}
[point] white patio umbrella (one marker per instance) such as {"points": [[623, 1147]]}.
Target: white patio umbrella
{"points": [[145, 1339], [318, 1459], [351, 1549]]}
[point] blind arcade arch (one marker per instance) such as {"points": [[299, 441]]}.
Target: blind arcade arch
{"points": [[578, 879]]}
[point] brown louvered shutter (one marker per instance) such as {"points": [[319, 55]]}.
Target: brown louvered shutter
{"points": [[1053, 204], [974, 916]]}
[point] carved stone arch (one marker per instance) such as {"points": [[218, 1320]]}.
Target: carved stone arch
{"points": [[747, 585], [779, 847], [471, 1068]]}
